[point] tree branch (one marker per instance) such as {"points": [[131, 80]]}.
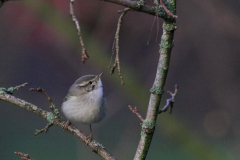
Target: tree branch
{"points": [[23, 156], [134, 5], [116, 43], [97, 147], [85, 55], [148, 126], [170, 101]]}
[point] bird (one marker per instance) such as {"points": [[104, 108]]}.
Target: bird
{"points": [[85, 102]]}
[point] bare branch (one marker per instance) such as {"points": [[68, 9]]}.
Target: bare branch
{"points": [[20, 86], [40, 90], [135, 111], [85, 56], [170, 101], [97, 147], [45, 129], [23, 156], [116, 42]]}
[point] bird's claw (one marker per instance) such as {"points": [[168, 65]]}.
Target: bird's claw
{"points": [[66, 125], [89, 139]]}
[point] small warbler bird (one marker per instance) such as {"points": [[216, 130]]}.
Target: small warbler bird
{"points": [[85, 102]]}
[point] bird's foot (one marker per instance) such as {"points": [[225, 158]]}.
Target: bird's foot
{"points": [[89, 139], [66, 125]]}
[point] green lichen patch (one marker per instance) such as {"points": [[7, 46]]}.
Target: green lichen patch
{"points": [[165, 44], [156, 90], [56, 112], [7, 91], [170, 26], [140, 3], [147, 127], [50, 117], [148, 124], [99, 145]]}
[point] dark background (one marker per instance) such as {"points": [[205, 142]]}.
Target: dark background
{"points": [[39, 45]]}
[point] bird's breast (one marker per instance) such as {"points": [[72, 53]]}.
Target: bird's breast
{"points": [[88, 108]]}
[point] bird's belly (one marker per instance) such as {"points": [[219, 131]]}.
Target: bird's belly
{"points": [[84, 111]]}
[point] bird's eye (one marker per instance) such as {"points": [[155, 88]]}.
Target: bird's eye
{"points": [[90, 82]]}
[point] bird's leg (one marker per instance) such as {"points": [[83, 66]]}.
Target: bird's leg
{"points": [[66, 125], [89, 138]]}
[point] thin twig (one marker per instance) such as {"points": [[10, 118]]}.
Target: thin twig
{"points": [[170, 101], [24, 156], [135, 111], [97, 147], [40, 90], [157, 28], [113, 51], [85, 55], [45, 129], [52, 107], [116, 42], [151, 29], [20, 86], [168, 12]]}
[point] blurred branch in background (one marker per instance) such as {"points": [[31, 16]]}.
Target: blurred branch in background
{"points": [[24, 156], [2, 2]]}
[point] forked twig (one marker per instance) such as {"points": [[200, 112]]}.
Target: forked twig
{"points": [[116, 42], [50, 116], [170, 101], [135, 111], [168, 12], [85, 56], [52, 107], [24, 156], [45, 129], [40, 90]]}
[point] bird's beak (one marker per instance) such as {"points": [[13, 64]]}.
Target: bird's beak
{"points": [[99, 76]]}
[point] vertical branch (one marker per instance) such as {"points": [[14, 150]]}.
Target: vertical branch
{"points": [[85, 56], [148, 126], [116, 42]]}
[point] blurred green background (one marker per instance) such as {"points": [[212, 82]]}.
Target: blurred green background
{"points": [[39, 45]]}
